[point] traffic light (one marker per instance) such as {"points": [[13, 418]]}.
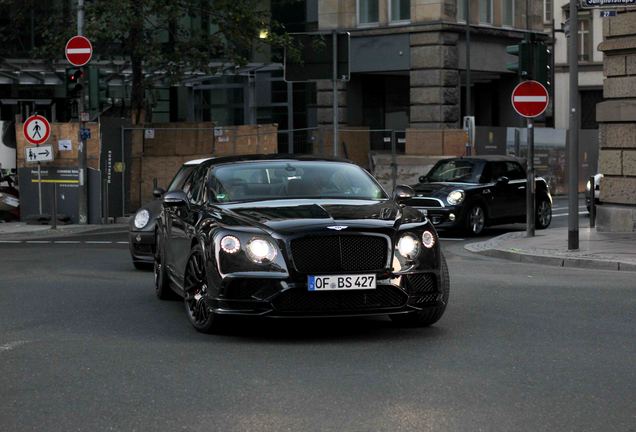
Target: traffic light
{"points": [[522, 66], [542, 64], [97, 89], [73, 85]]}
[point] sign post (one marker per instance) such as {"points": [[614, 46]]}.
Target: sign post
{"points": [[530, 99], [37, 130]]}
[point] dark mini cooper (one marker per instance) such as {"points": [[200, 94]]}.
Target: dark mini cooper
{"points": [[296, 237], [471, 193]]}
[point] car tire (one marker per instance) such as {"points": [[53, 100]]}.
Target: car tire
{"points": [[162, 284], [475, 221], [195, 288], [428, 316], [543, 214]]}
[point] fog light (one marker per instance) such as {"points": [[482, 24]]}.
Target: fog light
{"points": [[451, 217]]}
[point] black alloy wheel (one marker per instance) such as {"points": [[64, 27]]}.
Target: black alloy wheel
{"points": [[162, 284], [196, 287], [544, 214], [428, 316], [475, 219]]}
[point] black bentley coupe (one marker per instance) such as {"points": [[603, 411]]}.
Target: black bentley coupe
{"points": [[282, 236], [471, 193]]}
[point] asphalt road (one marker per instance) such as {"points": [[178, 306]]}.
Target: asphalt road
{"points": [[85, 345]]}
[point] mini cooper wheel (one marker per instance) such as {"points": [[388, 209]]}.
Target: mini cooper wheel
{"points": [[544, 214], [428, 316], [475, 219], [162, 285], [196, 287]]}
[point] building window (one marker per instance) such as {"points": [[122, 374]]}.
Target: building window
{"points": [[485, 11], [585, 37], [461, 10], [368, 12], [547, 11], [508, 13], [399, 10]]}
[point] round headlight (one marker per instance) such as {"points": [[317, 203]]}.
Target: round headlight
{"points": [[455, 197], [428, 239], [588, 186], [141, 218], [230, 244], [260, 250], [408, 246]]}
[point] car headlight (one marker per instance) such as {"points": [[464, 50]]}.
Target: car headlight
{"points": [[141, 218], [408, 246], [230, 244], [428, 239], [260, 250], [588, 186], [455, 197]]}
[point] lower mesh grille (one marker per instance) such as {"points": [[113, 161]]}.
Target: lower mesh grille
{"points": [[420, 284], [300, 300]]}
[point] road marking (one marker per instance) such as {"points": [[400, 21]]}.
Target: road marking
{"points": [[123, 242], [67, 241], [9, 346], [97, 242], [39, 241], [10, 241], [565, 214]]}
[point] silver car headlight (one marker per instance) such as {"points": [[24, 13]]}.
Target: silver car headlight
{"points": [[260, 250], [455, 197], [141, 218], [588, 186], [408, 246]]}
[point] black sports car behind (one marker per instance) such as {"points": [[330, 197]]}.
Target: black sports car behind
{"points": [[470, 193], [296, 237]]}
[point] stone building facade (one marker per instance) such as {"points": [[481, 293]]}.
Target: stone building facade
{"points": [[617, 118], [408, 61]]}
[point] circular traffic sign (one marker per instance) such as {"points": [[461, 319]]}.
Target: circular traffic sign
{"points": [[78, 50], [36, 129], [530, 99]]}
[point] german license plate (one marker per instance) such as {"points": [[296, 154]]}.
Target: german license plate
{"points": [[340, 282]]}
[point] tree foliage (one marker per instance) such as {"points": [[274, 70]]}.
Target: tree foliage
{"points": [[163, 40]]}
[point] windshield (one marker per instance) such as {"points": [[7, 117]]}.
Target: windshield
{"points": [[454, 170], [251, 181]]}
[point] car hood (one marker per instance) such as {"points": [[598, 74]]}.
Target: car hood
{"points": [[300, 215], [438, 190]]}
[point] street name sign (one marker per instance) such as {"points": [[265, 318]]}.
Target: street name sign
{"points": [[589, 4], [36, 129], [530, 99], [78, 51], [42, 153]]}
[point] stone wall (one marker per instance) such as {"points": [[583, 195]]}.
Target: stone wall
{"points": [[617, 132]]}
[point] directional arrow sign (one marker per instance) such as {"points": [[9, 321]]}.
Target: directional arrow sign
{"points": [[42, 153], [530, 99], [78, 50]]}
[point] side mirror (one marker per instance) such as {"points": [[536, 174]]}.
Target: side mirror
{"points": [[175, 199], [403, 193], [503, 180], [422, 179], [157, 192]]}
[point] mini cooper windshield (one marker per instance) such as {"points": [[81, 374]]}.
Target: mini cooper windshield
{"points": [[455, 170], [291, 179]]}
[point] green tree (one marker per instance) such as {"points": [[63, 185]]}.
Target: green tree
{"points": [[160, 39]]}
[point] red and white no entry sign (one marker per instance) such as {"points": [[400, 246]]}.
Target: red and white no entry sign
{"points": [[78, 50], [36, 129], [530, 99]]}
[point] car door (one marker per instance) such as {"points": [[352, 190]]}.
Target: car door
{"points": [[500, 190], [184, 222], [518, 184]]}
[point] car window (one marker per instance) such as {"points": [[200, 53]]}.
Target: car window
{"points": [[455, 170], [180, 178], [196, 183], [514, 171], [291, 179]]}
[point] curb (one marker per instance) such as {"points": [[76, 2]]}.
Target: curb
{"points": [[492, 248]]}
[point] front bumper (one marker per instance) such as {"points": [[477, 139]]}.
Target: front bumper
{"points": [[443, 217], [142, 245], [276, 298]]}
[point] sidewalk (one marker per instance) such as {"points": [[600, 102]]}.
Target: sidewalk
{"points": [[21, 230], [604, 251]]}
